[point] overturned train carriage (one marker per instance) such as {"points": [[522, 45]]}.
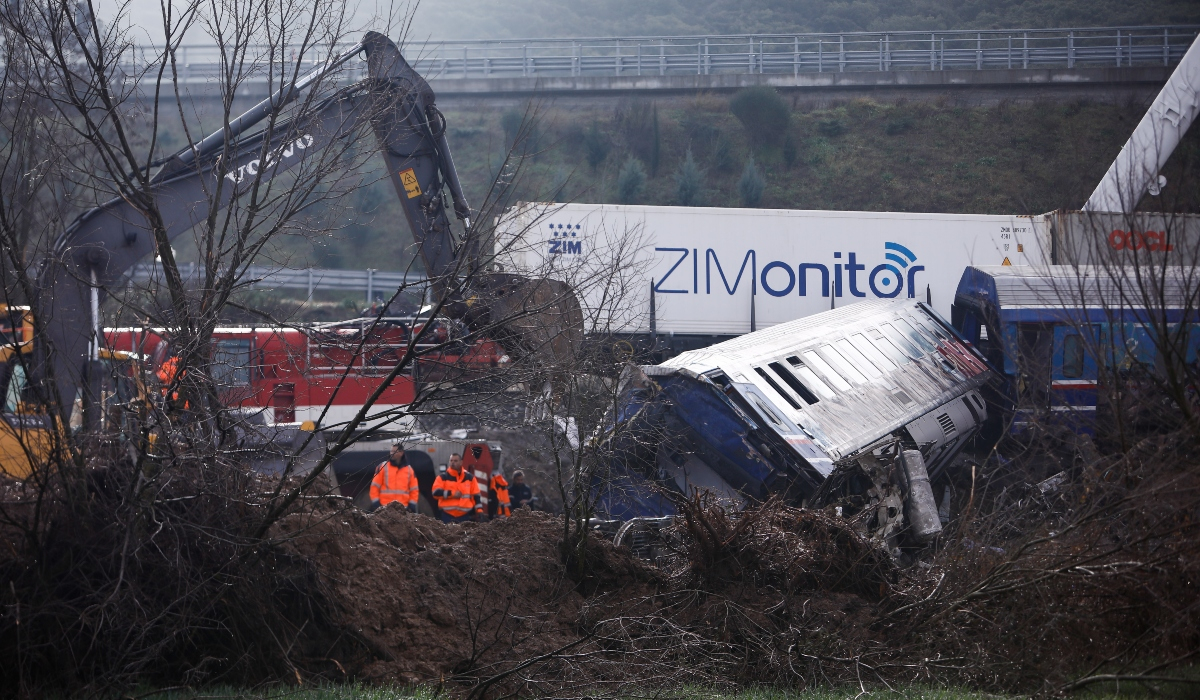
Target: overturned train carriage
{"points": [[843, 393]]}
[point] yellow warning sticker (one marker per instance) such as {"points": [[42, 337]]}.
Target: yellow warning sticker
{"points": [[408, 178], [1006, 262]]}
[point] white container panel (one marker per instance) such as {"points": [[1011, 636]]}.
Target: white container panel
{"points": [[708, 266]]}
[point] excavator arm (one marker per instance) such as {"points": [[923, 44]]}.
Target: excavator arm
{"points": [[103, 244]]}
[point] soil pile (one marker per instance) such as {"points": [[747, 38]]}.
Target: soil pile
{"points": [[472, 602], [438, 602]]}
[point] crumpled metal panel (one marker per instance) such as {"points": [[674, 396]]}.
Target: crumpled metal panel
{"points": [[888, 397]]}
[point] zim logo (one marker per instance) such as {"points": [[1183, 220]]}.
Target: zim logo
{"points": [[560, 243]]}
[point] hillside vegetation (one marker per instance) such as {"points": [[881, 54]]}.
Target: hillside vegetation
{"points": [[852, 155], [486, 19]]}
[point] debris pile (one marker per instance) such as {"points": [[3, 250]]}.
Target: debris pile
{"points": [[757, 595], [435, 602], [466, 604], [785, 548]]}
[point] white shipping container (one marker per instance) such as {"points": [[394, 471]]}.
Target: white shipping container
{"points": [[712, 269]]}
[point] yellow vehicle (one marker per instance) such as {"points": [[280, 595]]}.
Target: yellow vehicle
{"points": [[26, 436]]}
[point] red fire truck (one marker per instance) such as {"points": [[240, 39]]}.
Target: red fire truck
{"points": [[324, 373]]}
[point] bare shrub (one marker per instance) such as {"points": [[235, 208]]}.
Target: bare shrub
{"points": [[762, 112]]}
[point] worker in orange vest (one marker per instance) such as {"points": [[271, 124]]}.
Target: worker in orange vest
{"points": [[167, 373], [499, 487], [395, 482], [457, 493]]}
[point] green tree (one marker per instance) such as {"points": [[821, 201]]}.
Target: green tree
{"points": [[689, 182], [751, 185], [790, 152], [655, 144], [595, 146], [631, 181], [722, 153], [511, 122], [762, 112]]}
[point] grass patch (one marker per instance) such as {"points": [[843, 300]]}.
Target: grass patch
{"points": [[348, 691], [1124, 690], [384, 692], [1003, 159]]}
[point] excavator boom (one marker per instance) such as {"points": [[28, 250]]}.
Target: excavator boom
{"points": [[396, 103]]}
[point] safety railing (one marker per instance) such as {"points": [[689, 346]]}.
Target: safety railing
{"points": [[746, 54], [371, 282]]}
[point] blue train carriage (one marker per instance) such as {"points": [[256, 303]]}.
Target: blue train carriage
{"points": [[781, 409], [1060, 333]]}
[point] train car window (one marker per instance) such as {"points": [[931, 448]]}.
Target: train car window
{"points": [[859, 360], [873, 354], [916, 337], [16, 387], [814, 360], [810, 377], [231, 363], [932, 329], [897, 336], [9, 326], [1072, 366], [844, 366], [778, 389], [932, 326], [719, 378], [1104, 348], [1134, 346], [768, 413], [887, 347], [790, 379]]}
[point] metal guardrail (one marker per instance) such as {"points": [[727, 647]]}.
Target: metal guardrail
{"points": [[309, 279], [742, 54]]}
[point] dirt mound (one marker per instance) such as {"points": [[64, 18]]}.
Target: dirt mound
{"points": [[465, 603], [437, 602], [788, 549]]}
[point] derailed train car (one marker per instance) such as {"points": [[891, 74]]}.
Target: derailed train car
{"points": [[1068, 340], [868, 399]]}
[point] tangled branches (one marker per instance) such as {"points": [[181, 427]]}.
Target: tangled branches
{"points": [[1037, 587], [150, 574]]}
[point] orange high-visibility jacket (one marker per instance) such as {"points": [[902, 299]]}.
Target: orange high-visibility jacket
{"points": [[392, 483], [166, 376], [477, 460], [500, 488], [457, 492]]}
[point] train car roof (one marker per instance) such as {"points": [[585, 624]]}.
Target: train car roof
{"points": [[1060, 287], [891, 363]]}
